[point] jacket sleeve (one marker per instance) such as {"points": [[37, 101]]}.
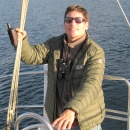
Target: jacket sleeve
{"points": [[35, 54], [91, 83]]}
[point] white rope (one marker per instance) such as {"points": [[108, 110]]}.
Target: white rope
{"points": [[123, 13], [15, 78]]}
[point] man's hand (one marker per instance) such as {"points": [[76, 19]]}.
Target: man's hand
{"points": [[65, 120], [20, 34]]}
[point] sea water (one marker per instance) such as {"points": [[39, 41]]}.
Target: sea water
{"points": [[107, 27]]}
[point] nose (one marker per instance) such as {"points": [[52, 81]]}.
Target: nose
{"points": [[73, 21]]}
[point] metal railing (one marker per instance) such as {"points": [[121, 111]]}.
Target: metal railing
{"points": [[109, 77], [106, 77], [35, 116]]}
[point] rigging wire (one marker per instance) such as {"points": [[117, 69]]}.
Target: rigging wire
{"points": [[14, 85], [123, 13], [15, 78]]}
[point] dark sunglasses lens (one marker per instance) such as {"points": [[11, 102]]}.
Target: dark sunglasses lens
{"points": [[77, 20], [68, 20]]}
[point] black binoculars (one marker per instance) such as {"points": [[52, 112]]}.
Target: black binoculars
{"points": [[64, 68]]}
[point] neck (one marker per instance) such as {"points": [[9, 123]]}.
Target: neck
{"points": [[73, 39]]}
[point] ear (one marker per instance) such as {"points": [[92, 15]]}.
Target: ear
{"points": [[86, 26]]}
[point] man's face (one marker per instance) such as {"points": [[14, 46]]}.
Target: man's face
{"points": [[75, 30]]}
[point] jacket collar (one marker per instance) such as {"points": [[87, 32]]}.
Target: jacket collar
{"points": [[59, 46]]}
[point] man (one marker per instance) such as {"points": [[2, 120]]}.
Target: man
{"points": [[75, 69]]}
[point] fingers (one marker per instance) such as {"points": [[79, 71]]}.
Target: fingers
{"points": [[19, 30], [20, 34], [65, 120], [67, 124], [55, 122], [62, 124]]}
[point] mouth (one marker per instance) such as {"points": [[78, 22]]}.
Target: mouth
{"points": [[73, 29]]}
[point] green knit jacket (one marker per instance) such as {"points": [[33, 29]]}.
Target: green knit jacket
{"points": [[85, 78]]}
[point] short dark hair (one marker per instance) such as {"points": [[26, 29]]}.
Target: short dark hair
{"points": [[77, 8]]}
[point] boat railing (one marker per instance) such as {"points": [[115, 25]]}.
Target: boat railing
{"points": [[40, 118], [127, 114], [109, 112]]}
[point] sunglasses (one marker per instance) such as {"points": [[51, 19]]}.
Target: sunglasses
{"points": [[77, 20]]}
